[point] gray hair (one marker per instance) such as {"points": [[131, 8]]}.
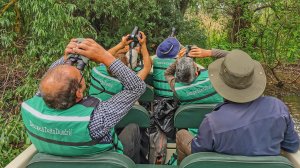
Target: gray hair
{"points": [[185, 70], [64, 97]]}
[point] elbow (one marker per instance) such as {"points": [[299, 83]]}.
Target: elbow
{"points": [[141, 88], [291, 148]]}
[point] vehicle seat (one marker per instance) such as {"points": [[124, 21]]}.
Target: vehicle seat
{"points": [[106, 159], [138, 115], [216, 160], [148, 95], [191, 115]]}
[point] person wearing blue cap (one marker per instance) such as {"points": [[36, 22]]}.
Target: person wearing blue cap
{"points": [[166, 54]]}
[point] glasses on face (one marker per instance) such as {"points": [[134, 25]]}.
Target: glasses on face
{"points": [[80, 78]]}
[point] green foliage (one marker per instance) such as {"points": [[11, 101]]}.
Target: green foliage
{"points": [[34, 33], [13, 139]]}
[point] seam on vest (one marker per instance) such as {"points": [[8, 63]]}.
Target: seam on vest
{"points": [[192, 85], [53, 118], [105, 76], [199, 98], [155, 67], [89, 143], [156, 80], [98, 88], [167, 90]]}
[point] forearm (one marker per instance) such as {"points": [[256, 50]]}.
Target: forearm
{"points": [[115, 49], [170, 75], [110, 112], [147, 63]]}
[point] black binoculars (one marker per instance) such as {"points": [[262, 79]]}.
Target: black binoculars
{"points": [[134, 36], [77, 59], [188, 49]]}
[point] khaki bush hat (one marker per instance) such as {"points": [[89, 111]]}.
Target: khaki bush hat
{"points": [[237, 77]]}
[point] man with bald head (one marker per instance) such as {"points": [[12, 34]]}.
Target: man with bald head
{"points": [[60, 87], [61, 121]]}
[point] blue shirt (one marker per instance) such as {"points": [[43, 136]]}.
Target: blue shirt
{"points": [[260, 127]]}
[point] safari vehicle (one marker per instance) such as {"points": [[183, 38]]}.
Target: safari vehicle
{"points": [[186, 116]]}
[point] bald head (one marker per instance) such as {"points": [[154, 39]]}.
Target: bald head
{"points": [[59, 85]]}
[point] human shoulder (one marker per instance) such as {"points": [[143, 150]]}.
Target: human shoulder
{"points": [[271, 99]]}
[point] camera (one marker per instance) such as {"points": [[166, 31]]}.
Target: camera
{"points": [[77, 59], [134, 36], [173, 32]]}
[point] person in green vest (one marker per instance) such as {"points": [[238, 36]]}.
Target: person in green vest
{"points": [[104, 84], [61, 121], [189, 81], [166, 54]]}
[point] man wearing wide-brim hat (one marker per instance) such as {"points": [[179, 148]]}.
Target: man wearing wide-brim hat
{"points": [[247, 123]]}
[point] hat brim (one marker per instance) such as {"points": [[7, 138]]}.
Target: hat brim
{"points": [[172, 54], [238, 95]]}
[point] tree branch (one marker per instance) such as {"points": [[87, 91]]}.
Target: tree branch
{"points": [[7, 6], [262, 7]]}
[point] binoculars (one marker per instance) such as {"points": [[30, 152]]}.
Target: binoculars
{"points": [[76, 59], [188, 49], [134, 36]]}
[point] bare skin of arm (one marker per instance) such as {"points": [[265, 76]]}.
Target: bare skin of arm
{"points": [[124, 42], [146, 58]]}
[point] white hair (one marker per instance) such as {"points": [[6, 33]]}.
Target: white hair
{"points": [[185, 70]]}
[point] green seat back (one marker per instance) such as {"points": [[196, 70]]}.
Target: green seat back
{"points": [[148, 95], [149, 79], [191, 115], [138, 115], [106, 159], [216, 160]]}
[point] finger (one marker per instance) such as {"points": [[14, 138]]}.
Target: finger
{"points": [[80, 51], [90, 40], [87, 42], [142, 33], [73, 40], [72, 45], [83, 46]]}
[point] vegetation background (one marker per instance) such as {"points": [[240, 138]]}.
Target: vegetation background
{"points": [[34, 33]]}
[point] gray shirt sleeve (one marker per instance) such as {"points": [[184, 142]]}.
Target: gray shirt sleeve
{"points": [[108, 113], [219, 53]]}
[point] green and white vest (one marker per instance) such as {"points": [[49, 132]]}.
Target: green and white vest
{"points": [[200, 91], [161, 85], [110, 85], [64, 132]]}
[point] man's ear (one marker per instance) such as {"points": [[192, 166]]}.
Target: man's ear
{"points": [[79, 95], [196, 73]]}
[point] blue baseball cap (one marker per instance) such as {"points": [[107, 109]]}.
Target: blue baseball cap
{"points": [[169, 48]]}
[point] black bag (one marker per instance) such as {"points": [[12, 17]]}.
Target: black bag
{"points": [[163, 115]]}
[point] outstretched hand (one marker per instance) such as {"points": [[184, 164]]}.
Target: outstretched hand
{"points": [[125, 41], [143, 39], [197, 52], [181, 52]]}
